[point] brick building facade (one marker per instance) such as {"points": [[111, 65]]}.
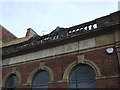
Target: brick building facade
{"points": [[6, 36], [94, 45]]}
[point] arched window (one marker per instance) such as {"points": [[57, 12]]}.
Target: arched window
{"points": [[12, 81], [82, 76], [41, 80]]}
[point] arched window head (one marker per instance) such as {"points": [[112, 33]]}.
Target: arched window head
{"points": [[41, 79], [82, 76], [12, 81]]}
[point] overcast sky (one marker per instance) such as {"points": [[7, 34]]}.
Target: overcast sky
{"points": [[44, 17]]}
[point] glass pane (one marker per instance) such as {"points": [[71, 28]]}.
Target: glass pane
{"points": [[41, 80], [83, 76], [12, 81]]}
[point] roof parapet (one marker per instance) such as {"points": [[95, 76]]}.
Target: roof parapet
{"points": [[64, 33]]}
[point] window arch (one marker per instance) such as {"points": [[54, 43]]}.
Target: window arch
{"points": [[82, 76], [41, 79], [12, 81]]}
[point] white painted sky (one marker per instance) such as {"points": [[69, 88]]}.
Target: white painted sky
{"points": [[45, 16]]}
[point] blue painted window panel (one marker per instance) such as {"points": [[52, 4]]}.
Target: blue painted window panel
{"points": [[82, 76], [12, 81], [41, 80]]}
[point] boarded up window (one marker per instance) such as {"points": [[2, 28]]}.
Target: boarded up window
{"points": [[12, 81], [82, 76], [41, 80]]}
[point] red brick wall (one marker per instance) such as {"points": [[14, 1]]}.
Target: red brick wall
{"points": [[107, 63], [6, 35], [108, 83]]}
